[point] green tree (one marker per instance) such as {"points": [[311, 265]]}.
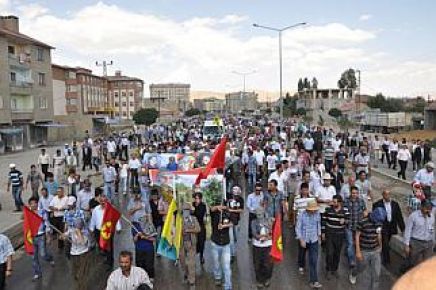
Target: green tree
{"points": [[145, 116], [348, 80], [192, 112], [386, 104], [314, 83], [306, 84], [300, 112], [335, 112], [300, 85]]}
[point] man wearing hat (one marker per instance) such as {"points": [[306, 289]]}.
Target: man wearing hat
{"points": [[15, 182], [324, 194], [308, 232], [419, 234], [425, 177], [368, 247]]}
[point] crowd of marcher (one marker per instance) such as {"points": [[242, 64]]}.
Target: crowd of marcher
{"points": [[316, 180]]}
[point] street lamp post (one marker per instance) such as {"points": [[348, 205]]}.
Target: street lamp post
{"points": [[244, 75], [280, 30]]}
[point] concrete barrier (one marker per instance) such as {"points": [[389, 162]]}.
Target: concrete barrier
{"points": [[15, 234]]}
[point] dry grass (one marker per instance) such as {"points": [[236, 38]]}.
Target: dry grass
{"points": [[417, 134]]}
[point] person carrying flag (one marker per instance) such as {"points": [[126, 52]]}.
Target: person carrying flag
{"points": [[40, 240], [261, 228], [99, 227]]}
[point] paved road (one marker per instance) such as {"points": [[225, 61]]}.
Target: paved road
{"points": [[169, 277]]}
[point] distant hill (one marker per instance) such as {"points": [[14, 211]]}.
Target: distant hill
{"points": [[264, 96]]}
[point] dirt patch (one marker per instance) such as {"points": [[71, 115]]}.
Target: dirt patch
{"points": [[416, 134]]}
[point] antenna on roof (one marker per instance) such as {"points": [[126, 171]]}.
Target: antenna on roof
{"points": [[104, 64]]}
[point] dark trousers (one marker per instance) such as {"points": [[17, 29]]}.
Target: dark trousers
{"points": [[134, 178], [263, 264], [145, 260], [87, 162], [393, 161], [2, 276], [388, 157], [58, 222], [328, 165], [334, 242], [427, 192], [108, 254], [251, 217], [403, 167], [386, 237], [125, 152], [312, 248], [44, 169]]}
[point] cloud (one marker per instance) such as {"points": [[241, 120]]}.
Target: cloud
{"points": [[5, 6], [31, 11], [365, 17], [204, 50]]}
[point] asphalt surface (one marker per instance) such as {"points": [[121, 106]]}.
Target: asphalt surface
{"points": [[168, 276]]}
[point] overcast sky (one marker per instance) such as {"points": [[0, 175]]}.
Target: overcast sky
{"points": [[202, 41]]}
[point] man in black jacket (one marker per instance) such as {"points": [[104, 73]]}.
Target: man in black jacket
{"points": [[394, 220]]}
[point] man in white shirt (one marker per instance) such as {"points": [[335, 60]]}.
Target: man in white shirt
{"points": [[280, 176], [376, 147], [127, 277], [111, 147], [271, 161], [324, 194], [96, 223], [44, 162], [260, 159], [134, 165]]}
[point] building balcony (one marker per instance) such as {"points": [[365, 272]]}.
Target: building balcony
{"points": [[21, 88], [22, 114], [21, 61]]}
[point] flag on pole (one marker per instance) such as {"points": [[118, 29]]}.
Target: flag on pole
{"points": [[277, 243], [31, 224], [217, 161], [170, 240], [110, 218]]}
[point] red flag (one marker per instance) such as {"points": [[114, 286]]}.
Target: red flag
{"points": [[31, 224], [110, 218], [217, 161], [277, 243]]}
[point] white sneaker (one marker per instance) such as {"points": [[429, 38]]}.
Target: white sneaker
{"points": [[352, 279], [301, 271], [35, 277], [316, 285]]}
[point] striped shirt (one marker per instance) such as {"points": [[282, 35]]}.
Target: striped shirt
{"points": [[335, 222], [369, 233], [15, 178], [329, 153]]}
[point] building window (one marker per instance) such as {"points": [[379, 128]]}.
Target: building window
{"points": [[124, 114], [131, 94], [13, 104], [13, 77], [43, 102], [131, 114], [41, 79], [40, 54], [11, 49], [124, 104], [123, 94], [71, 102], [116, 104], [116, 94], [131, 104]]}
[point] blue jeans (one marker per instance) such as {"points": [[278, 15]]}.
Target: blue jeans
{"points": [[109, 189], [349, 236], [40, 249], [221, 263], [16, 194], [251, 182], [233, 233], [313, 261]]}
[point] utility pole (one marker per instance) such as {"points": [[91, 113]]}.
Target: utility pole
{"points": [[104, 64], [358, 89]]}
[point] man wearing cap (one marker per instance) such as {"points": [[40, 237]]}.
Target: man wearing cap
{"points": [[368, 247], [15, 182], [324, 194], [425, 177], [308, 232], [419, 235]]}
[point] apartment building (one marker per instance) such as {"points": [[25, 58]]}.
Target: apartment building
{"points": [[241, 101], [26, 96], [125, 95], [176, 96]]}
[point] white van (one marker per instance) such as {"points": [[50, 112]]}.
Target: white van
{"points": [[213, 129]]}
